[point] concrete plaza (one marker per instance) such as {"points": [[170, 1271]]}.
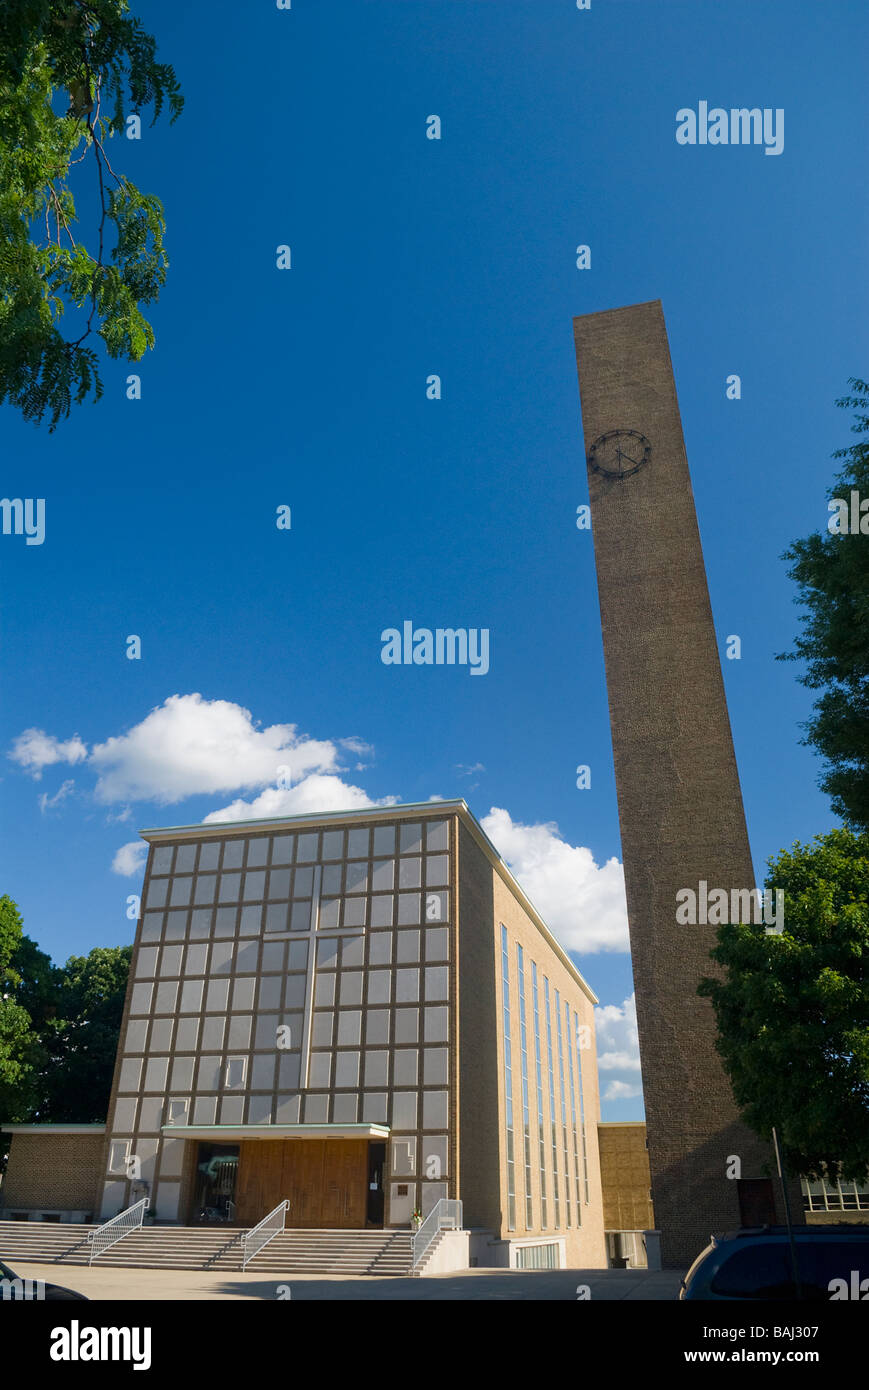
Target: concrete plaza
{"points": [[481, 1285]]}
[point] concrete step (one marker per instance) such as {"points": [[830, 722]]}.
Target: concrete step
{"points": [[351, 1253]]}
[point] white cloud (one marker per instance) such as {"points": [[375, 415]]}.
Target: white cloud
{"points": [[130, 858], [618, 1048], [619, 1061], [617, 1036], [581, 901], [189, 746], [621, 1090], [46, 802], [34, 749], [318, 792]]}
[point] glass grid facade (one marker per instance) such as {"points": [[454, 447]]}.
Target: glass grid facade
{"points": [[298, 976], [303, 976]]}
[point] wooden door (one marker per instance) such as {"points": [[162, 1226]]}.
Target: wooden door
{"points": [[344, 1187], [259, 1180], [302, 1180], [324, 1180]]}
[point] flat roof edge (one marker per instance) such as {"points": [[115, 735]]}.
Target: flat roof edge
{"points": [[219, 827], [518, 891], [51, 1129], [404, 810]]}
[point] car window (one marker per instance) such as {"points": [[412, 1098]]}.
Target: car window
{"points": [[764, 1270], [821, 1261], [756, 1271]]}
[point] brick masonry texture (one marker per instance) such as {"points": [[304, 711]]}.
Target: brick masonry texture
{"points": [[485, 902], [680, 806], [625, 1177], [54, 1172]]}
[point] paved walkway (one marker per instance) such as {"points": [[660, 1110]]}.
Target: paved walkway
{"points": [[484, 1285]]}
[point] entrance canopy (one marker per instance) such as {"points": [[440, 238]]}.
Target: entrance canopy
{"points": [[331, 1174], [236, 1132]]}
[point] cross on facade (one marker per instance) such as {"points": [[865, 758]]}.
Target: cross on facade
{"points": [[315, 933]]}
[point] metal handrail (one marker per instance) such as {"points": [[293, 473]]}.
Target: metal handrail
{"points": [[260, 1236], [124, 1223], [445, 1215]]}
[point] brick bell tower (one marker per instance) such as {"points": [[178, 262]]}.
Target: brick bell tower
{"points": [[680, 805]]}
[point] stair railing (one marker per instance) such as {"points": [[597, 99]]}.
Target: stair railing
{"points": [[255, 1240], [114, 1230], [445, 1215]]}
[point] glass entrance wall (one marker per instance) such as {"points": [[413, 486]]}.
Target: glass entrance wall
{"points": [[375, 1204], [214, 1194]]}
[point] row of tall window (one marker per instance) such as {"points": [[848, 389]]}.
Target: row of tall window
{"points": [[526, 1108], [561, 1158], [508, 1081]]}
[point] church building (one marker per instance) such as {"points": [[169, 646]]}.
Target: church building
{"points": [[360, 1013]]}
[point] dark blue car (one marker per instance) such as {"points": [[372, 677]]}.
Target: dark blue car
{"points": [[750, 1264]]}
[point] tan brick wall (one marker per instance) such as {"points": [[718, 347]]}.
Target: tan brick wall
{"points": [[477, 1052], [54, 1171], [835, 1218], [487, 902], [625, 1177], [680, 806]]}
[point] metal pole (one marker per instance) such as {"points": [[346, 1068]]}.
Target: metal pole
{"points": [[787, 1206]]}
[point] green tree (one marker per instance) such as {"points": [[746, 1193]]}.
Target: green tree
{"points": [[832, 574], [793, 1009], [21, 1053], [81, 1046], [91, 58], [59, 1027], [21, 1059]]}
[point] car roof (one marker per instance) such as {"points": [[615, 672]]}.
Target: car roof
{"points": [[832, 1228]]}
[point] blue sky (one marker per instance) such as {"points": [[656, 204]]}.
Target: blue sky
{"points": [[307, 388]]}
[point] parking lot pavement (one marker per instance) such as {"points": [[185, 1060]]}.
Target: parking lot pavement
{"points": [[482, 1285]]}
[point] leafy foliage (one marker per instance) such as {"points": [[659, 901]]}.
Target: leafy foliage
{"points": [[832, 572], [82, 1047], [59, 1027], [21, 1054], [102, 59], [793, 1009]]}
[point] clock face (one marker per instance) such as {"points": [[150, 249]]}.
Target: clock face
{"points": [[619, 453]]}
